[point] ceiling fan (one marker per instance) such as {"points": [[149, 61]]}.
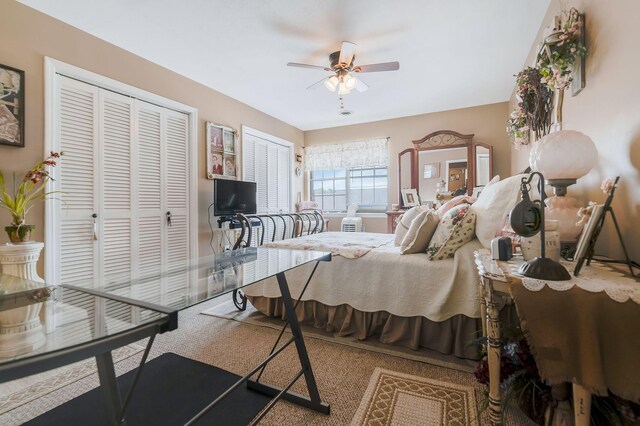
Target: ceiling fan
{"points": [[342, 69]]}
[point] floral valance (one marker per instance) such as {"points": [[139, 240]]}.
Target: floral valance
{"points": [[371, 152]]}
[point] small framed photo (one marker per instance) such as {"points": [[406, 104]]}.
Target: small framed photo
{"points": [[585, 241], [410, 198], [11, 106], [229, 141], [215, 165], [432, 170], [230, 166], [214, 136]]}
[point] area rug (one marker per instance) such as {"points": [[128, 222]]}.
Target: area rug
{"points": [[49, 382], [251, 315], [394, 398]]}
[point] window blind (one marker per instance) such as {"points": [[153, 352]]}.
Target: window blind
{"points": [[365, 153]]}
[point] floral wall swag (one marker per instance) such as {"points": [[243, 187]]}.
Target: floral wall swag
{"points": [[560, 54]]}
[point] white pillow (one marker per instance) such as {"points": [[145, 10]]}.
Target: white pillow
{"points": [[495, 202], [420, 233], [405, 222]]}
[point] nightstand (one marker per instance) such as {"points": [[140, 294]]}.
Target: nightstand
{"points": [[563, 319]]}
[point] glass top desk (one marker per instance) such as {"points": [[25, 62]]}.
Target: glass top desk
{"points": [[93, 318]]}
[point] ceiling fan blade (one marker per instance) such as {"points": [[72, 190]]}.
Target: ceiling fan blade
{"points": [[361, 86], [384, 66], [347, 52], [317, 84], [320, 67]]}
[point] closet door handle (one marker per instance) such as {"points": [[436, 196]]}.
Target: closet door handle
{"points": [[95, 226], [169, 218]]}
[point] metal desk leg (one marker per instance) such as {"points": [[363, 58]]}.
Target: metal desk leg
{"points": [[313, 401], [109, 386], [493, 352]]}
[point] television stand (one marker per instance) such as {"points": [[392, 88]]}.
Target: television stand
{"points": [[234, 223]]}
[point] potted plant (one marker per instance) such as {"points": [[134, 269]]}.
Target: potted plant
{"points": [[20, 200]]}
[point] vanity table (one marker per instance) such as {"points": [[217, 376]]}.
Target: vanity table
{"points": [[446, 156], [393, 217], [581, 331]]}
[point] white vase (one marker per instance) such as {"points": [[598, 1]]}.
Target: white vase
{"points": [[21, 330], [565, 211]]}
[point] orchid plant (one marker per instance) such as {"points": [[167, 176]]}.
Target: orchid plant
{"points": [[31, 188]]}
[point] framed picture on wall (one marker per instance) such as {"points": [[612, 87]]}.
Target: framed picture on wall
{"points": [[221, 148], [11, 106]]}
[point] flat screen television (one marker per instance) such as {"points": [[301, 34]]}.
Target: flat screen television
{"points": [[233, 196]]}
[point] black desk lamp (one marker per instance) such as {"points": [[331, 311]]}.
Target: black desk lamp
{"points": [[527, 219]]}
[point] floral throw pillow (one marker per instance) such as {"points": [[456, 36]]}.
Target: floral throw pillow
{"points": [[456, 228]]}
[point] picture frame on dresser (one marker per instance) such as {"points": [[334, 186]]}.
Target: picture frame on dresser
{"points": [[410, 197], [12, 94]]}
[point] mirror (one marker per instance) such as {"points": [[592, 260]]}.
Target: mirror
{"points": [[405, 172], [484, 164], [443, 170]]}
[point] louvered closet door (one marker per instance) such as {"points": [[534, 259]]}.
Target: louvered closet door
{"points": [[150, 214], [75, 252], [176, 202], [116, 215]]}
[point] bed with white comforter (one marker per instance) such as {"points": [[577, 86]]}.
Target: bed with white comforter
{"points": [[368, 273], [370, 290]]}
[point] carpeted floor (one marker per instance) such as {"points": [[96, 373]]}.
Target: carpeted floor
{"points": [[343, 373]]}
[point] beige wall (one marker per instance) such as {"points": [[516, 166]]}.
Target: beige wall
{"points": [[608, 110], [487, 122], [28, 36]]}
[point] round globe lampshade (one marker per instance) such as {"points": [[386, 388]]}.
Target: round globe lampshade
{"points": [[567, 154]]}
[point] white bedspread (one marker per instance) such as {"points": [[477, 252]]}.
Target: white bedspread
{"points": [[351, 245], [385, 280]]}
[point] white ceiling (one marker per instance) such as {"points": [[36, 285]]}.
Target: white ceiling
{"points": [[452, 54]]}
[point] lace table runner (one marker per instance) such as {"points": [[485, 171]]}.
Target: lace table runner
{"points": [[595, 278]]}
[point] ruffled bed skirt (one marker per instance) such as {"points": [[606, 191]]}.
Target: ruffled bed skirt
{"points": [[455, 336]]}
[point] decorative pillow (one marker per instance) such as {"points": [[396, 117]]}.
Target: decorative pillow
{"points": [[495, 201], [460, 199], [455, 229], [405, 222], [420, 233]]}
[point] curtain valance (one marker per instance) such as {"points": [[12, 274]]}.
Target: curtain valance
{"points": [[366, 153]]}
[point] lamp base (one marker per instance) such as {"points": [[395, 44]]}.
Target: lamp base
{"points": [[544, 268]]}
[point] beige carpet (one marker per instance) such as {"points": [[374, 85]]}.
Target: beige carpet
{"points": [[251, 315], [342, 372], [394, 398]]}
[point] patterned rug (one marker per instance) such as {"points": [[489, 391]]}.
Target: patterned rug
{"points": [[48, 382], [394, 398]]}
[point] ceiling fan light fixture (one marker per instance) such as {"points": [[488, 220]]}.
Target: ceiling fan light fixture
{"points": [[331, 83], [350, 81], [343, 89]]}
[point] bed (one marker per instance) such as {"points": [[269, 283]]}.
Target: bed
{"points": [[370, 290]]}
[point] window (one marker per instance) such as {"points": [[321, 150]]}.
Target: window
{"points": [[334, 190]]}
